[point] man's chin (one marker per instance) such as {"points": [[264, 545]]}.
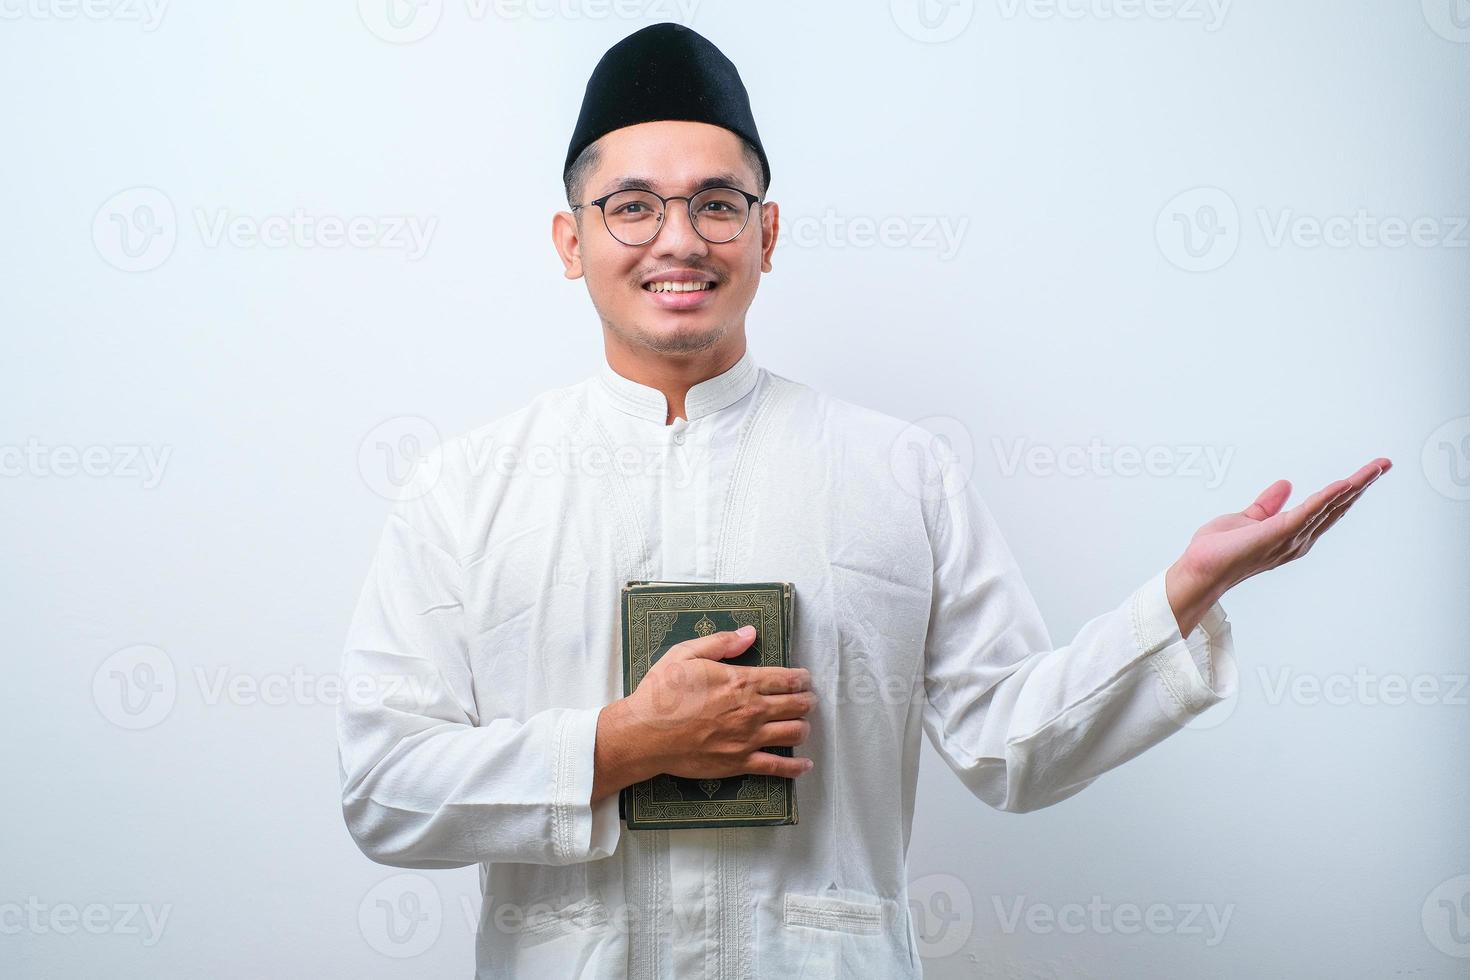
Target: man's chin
{"points": [[678, 335]]}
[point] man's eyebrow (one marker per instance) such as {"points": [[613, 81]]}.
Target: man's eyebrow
{"points": [[721, 179]]}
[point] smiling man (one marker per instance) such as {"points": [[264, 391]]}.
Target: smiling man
{"points": [[488, 627], [671, 283]]}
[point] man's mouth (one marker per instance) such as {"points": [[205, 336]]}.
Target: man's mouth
{"points": [[678, 287], [680, 290]]}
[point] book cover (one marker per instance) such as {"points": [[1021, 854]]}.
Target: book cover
{"points": [[656, 616]]}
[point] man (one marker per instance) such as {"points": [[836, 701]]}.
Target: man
{"points": [[489, 620]]}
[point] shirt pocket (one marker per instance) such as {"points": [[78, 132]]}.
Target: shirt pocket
{"points": [[832, 914], [830, 937], [545, 925], [549, 941]]}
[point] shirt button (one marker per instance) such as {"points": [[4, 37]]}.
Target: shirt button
{"points": [[679, 438]]}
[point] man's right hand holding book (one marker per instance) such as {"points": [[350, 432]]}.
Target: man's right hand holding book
{"points": [[696, 717]]}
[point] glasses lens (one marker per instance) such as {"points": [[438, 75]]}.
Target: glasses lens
{"points": [[719, 213], [633, 217]]}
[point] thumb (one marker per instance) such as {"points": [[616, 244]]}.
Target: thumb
{"points": [[1270, 501], [718, 646]]}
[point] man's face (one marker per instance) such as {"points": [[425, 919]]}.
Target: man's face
{"points": [[668, 158]]}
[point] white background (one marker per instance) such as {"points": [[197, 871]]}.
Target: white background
{"points": [[1081, 298]]}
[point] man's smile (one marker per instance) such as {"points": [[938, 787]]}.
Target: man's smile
{"points": [[680, 289]]}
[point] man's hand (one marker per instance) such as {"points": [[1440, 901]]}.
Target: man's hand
{"points": [[694, 716], [1233, 547]]}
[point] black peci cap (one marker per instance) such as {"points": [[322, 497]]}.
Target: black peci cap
{"points": [[664, 71]]}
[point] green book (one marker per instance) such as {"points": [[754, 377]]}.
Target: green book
{"points": [[657, 615]]}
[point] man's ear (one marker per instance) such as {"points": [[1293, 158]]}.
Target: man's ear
{"points": [[566, 236], [770, 228]]}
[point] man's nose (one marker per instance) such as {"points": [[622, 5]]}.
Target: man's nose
{"points": [[677, 236]]}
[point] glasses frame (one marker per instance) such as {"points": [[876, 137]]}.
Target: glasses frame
{"points": [[752, 200]]}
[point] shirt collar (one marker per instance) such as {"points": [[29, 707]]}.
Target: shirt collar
{"points": [[704, 398]]}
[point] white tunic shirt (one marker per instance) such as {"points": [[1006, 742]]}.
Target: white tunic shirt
{"points": [[488, 634]]}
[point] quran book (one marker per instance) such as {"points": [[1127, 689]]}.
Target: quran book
{"points": [[655, 617]]}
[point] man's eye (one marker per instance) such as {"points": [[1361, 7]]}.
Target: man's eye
{"points": [[630, 208], [717, 205]]}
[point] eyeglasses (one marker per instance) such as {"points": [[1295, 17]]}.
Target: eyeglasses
{"points": [[718, 214]]}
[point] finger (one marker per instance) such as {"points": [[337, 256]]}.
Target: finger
{"points": [[1325, 525], [1321, 528], [1269, 501], [1292, 521], [1371, 471], [1359, 482], [716, 646], [1333, 506], [1366, 474], [780, 680], [771, 764], [792, 732], [1337, 510], [777, 707]]}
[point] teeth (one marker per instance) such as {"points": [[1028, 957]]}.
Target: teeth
{"points": [[678, 287]]}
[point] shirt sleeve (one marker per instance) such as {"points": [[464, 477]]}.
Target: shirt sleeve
{"points": [[1025, 725], [426, 782]]}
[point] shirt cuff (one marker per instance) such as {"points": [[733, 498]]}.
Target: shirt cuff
{"points": [[581, 831], [1195, 672]]}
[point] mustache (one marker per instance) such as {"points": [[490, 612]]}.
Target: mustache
{"points": [[652, 275]]}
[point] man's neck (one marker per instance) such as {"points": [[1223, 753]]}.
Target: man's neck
{"points": [[673, 374]]}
